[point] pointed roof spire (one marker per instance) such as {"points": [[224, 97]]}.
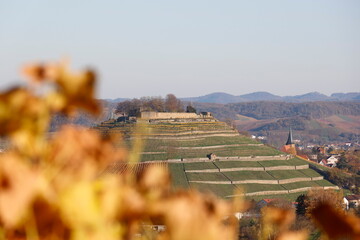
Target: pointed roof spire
{"points": [[290, 138]]}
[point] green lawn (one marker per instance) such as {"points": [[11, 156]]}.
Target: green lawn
{"points": [[286, 174], [248, 175], [216, 141], [178, 176], [295, 185], [310, 172], [324, 183], [237, 164], [254, 187], [221, 190], [216, 176], [199, 166], [202, 153], [291, 162], [152, 157]]}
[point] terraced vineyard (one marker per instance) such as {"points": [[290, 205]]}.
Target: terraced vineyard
{"points": [[240, 164]]}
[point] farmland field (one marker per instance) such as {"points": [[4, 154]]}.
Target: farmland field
{"points": [[287, 174], [254, 187], [309, 172], [220, 152], [324, 183], [291, 162], [221, 190], [216, 141], [295, 185], [248, 175], [237, 164], [216, 176], [178, 176], [199, 166]]}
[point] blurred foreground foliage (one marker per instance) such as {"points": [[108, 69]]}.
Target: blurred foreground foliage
{"points": [[51, 187]]}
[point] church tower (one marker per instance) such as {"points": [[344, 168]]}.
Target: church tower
{"points": [[289, 146]]}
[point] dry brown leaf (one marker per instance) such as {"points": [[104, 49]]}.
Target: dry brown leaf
{"points": [[336, 224], [41, 72], [191, 215], [78, 90], [155, 180], [276, 221], [298, 235], [24, 118], [82, 153], [74, 90], [19, 186]]}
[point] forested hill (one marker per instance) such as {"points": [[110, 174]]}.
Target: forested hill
{"points": [[316, 122], [224, 98], [270, 110]]}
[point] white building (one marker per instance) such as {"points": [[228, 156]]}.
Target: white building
{"points": [[333, 159]]}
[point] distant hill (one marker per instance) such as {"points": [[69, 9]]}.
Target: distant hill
{"points": [[346, 96], [318, 122], [269, 110], [224, 98], [308, 97], [116, 100], [261, 96], [217, 97]]}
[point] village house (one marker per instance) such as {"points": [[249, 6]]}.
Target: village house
{"points": [[353, 200], [264, 202], [332, 160], [323, 162]]}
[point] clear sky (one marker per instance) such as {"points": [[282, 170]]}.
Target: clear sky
{"points": [[189, 47]]}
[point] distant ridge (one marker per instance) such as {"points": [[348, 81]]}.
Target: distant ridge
{"points": [[217, 97], [261, 96], [308, 97], [116, 100], [224, 98]]}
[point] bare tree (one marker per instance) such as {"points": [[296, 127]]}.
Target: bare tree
{"points": [[172, 104]]}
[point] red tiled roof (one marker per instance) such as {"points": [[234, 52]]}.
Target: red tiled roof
{"points": [[304, 156], [352, 197]]}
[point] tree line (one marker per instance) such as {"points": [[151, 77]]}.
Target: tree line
{"points": [[157, 104]]}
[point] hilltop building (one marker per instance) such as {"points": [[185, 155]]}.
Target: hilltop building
{"points": [[289, 146], [152, 116]]}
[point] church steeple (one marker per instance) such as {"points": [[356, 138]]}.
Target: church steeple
{"points": [[290, 138], [289, 146]]}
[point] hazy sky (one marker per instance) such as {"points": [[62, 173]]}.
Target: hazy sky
{"points": [[189, 47]]}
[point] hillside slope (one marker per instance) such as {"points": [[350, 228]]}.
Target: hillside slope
{"points": [[237, 162]]}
